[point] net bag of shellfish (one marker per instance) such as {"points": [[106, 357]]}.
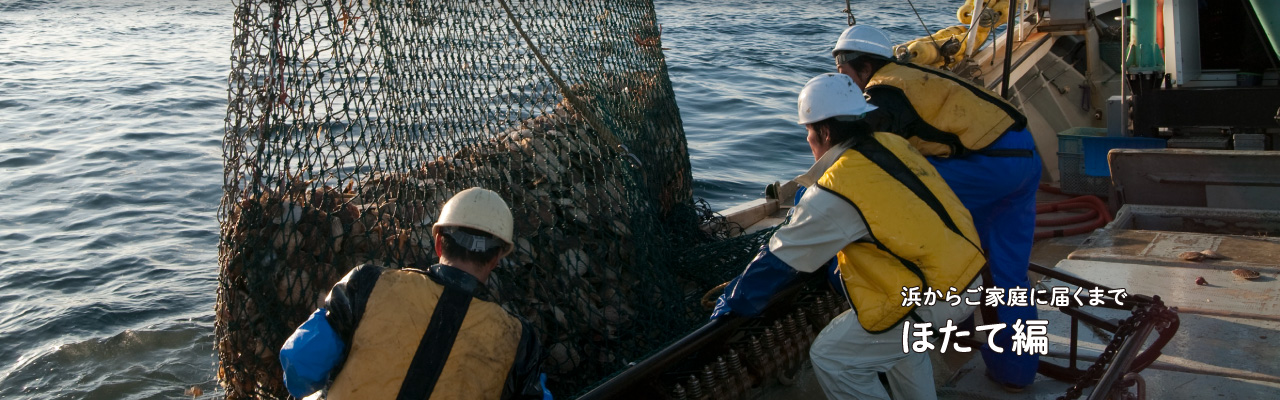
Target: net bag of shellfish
{"points": [[351, 122]]}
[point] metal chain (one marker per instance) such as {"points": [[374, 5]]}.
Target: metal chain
{"points": [[1154, 311]]}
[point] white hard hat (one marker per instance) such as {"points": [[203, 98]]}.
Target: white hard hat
{"points": [[480, 209], [831, 95], [864, 39]]}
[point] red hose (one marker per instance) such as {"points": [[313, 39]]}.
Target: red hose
{"points": [[1068, 232], [1096, 212], [1049, 188], [1078, 203], [1089, 215]]}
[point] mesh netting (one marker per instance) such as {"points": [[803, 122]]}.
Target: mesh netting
{"points": [[351, 122]]}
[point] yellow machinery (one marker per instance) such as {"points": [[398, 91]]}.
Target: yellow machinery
{"points": [[950, 45]]}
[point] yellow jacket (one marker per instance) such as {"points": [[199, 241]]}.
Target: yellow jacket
{"points": [[920, 234], [941, 114], [427, 326]]}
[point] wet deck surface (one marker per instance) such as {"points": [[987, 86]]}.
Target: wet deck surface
{"points": [[1224, 294], [1162, 249]]}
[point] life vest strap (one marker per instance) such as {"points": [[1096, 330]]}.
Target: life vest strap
{"points": [[1023, 153], [433, 351], [879, 155]]}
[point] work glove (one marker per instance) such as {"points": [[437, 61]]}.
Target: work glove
{"points": [[309, 355], [546, 393], [722, 303], [750, 292]]}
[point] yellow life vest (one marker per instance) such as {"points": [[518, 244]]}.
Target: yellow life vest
{"points": [[920, 234], [396, 316], [971, 115]]}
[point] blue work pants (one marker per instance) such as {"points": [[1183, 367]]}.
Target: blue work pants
{"points": [[1000, 193]]}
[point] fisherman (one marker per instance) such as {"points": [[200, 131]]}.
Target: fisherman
{"points": [[418, 333], [876, 205], [980, 145]]}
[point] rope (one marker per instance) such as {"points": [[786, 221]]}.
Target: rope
{"points": [[577, 103], [848, 9], [708, 300], [927, 32]]}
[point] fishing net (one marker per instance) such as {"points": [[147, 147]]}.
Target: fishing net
{"points": [[351, 122]]}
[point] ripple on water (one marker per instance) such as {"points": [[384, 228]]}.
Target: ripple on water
{"points": [[12, 106], [107, 154], [25, 5], [198, 104], [26, 157], [122, 365], [100, 242], [157, 154], [145, 136], [38, 179], [196, 234], [76, 101], [17, 237], [83, 225], [98, 201], [139, 89], [47, 215], [21, 161]]}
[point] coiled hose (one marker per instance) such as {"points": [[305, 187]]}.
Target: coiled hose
{"points": [[1096, 211]]}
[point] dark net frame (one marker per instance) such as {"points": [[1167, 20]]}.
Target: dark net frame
{"points": [[351, 122]]}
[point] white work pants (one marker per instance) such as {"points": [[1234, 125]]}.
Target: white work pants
{"points": [[846, 358]]}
